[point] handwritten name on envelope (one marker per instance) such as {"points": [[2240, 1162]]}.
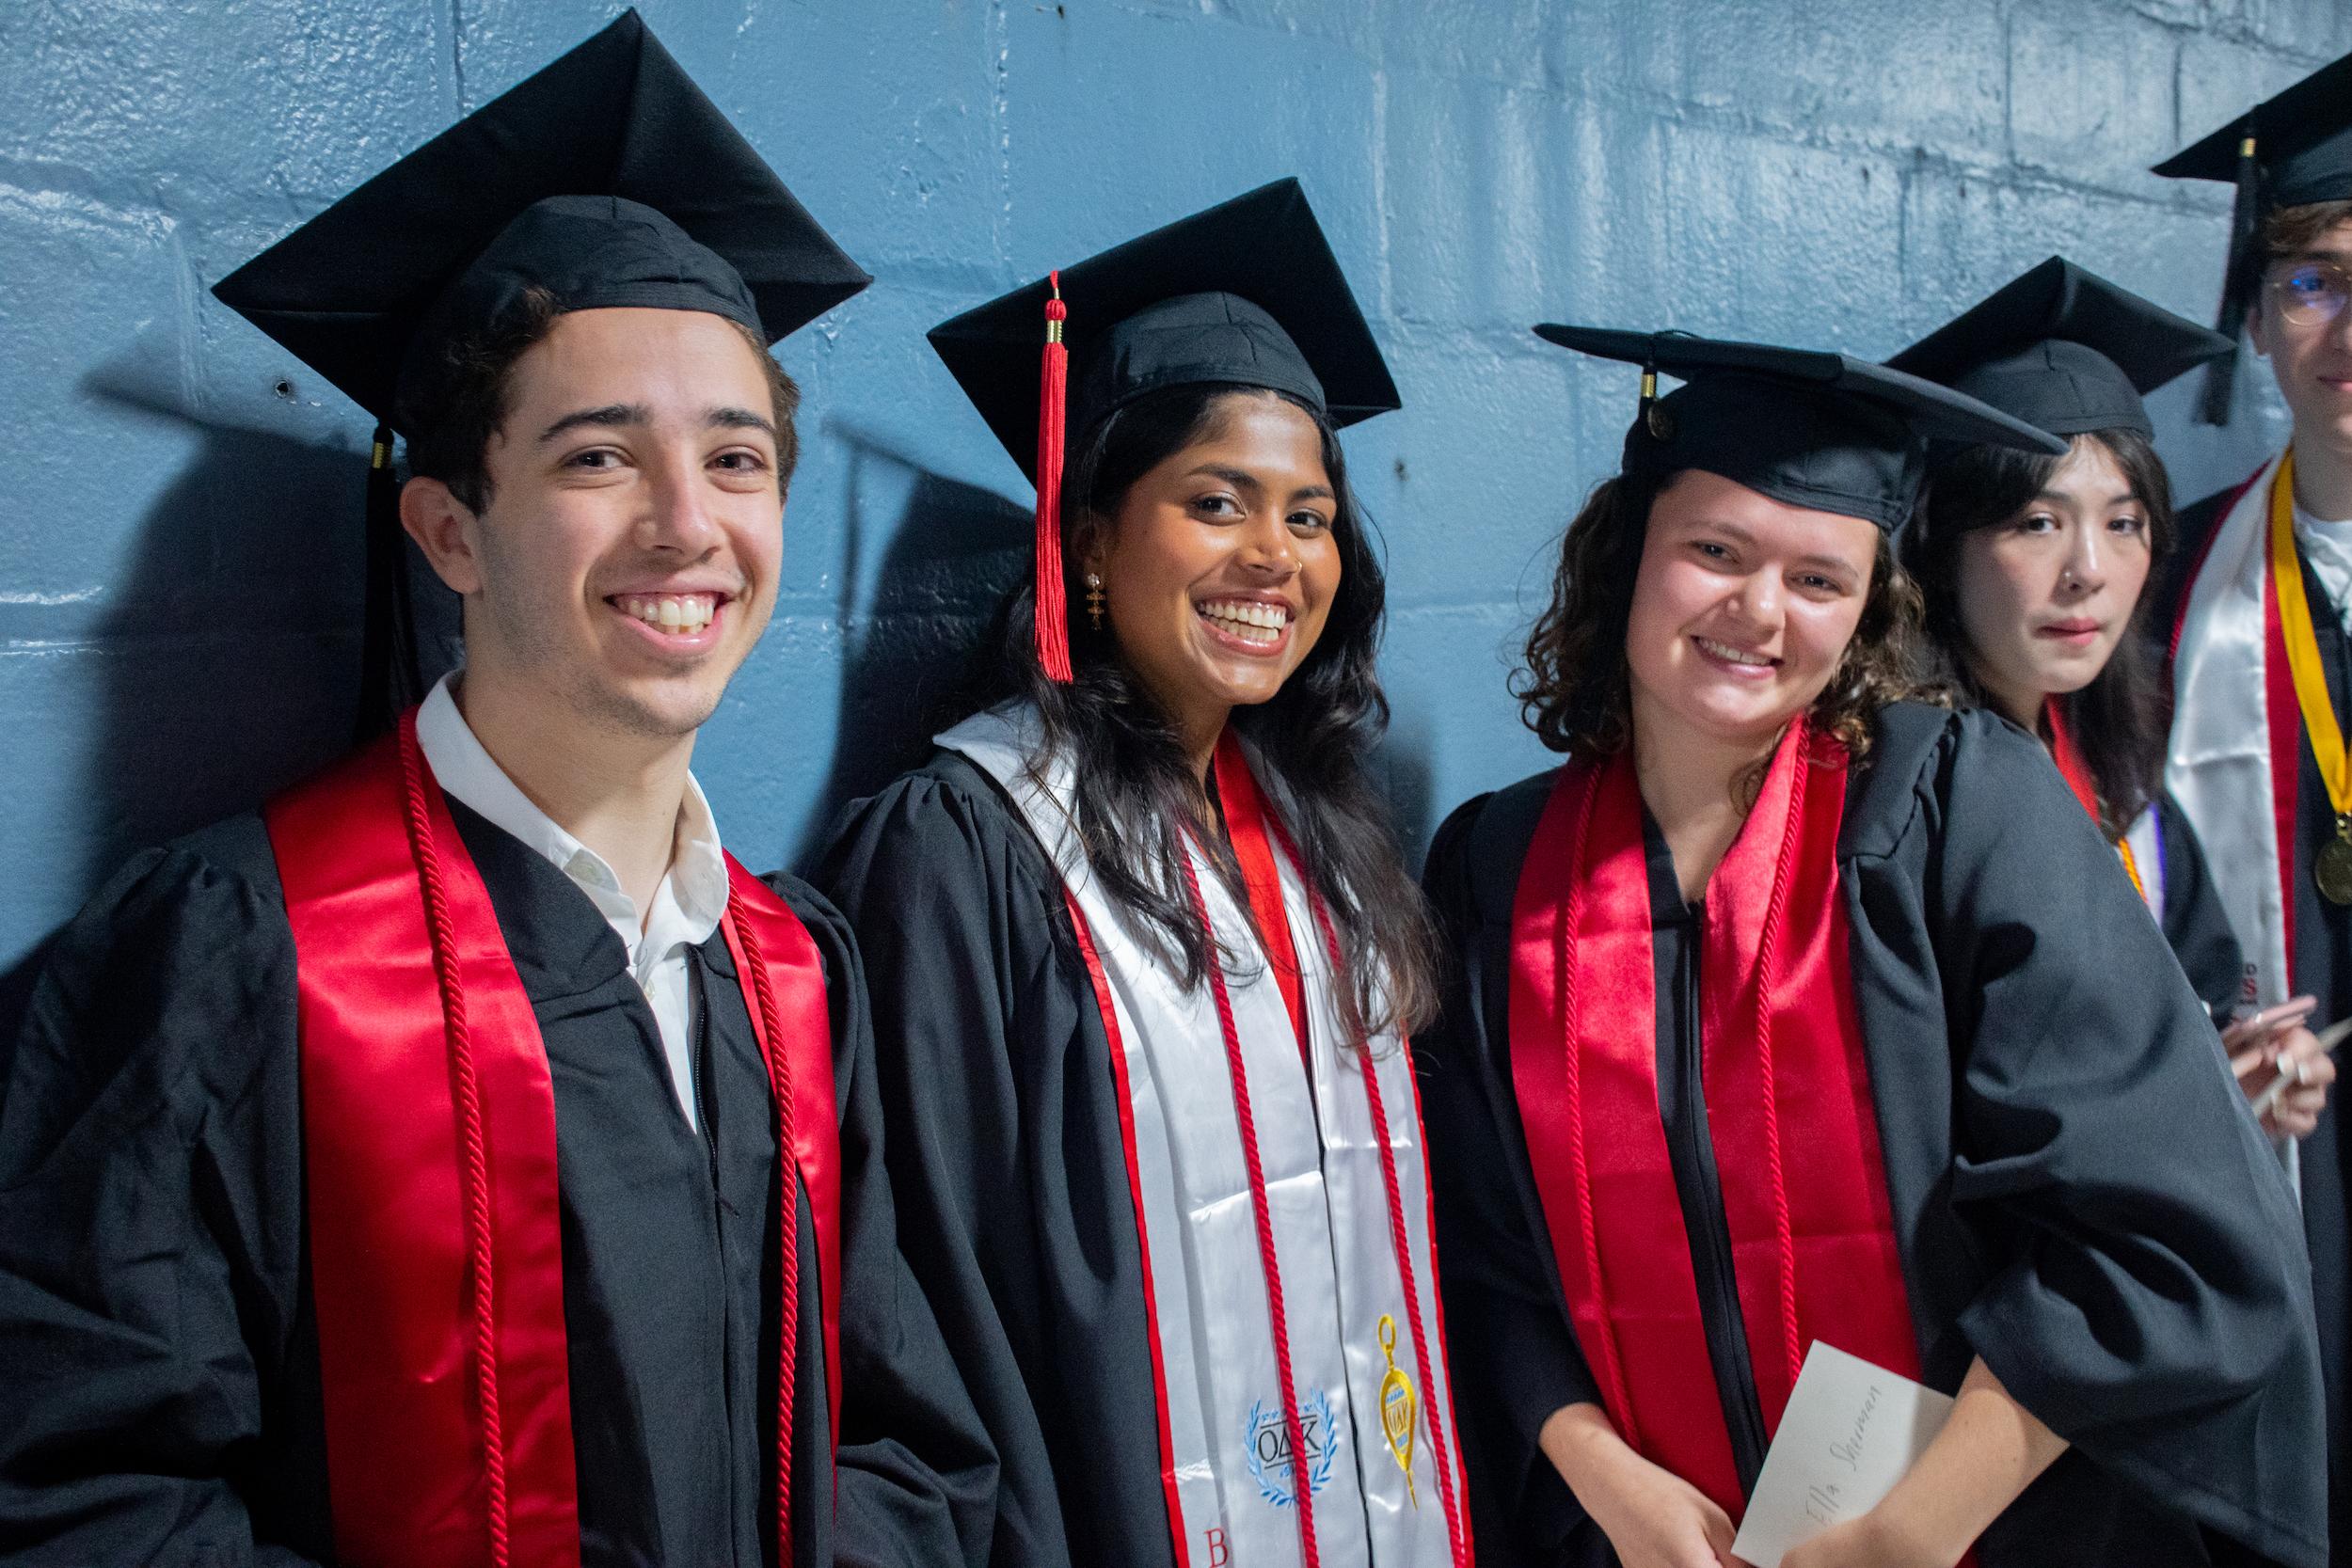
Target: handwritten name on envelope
{"points": [[1850, 1432]]}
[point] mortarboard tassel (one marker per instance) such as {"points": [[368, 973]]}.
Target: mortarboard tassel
{"points": [[389, 681], [2221, 375], [1053, 612]]}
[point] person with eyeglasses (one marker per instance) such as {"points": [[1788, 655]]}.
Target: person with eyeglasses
{"points": [[2261, 635]]}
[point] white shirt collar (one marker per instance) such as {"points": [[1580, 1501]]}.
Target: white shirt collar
{"points": [[2327, 545], [693, 893]]}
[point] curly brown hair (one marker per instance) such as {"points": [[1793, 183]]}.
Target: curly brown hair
{"points": [[1575, 689]]}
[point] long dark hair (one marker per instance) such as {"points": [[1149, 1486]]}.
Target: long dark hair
{"points": [[1576, 686], [1139, 795], [2118, 720]]}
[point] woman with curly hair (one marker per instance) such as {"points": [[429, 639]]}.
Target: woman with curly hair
{"points": [[1792, 1012], [2034, 570], [1143, 951]]}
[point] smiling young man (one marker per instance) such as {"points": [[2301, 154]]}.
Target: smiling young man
{"points": [[2261, 639], [462, 1159]]}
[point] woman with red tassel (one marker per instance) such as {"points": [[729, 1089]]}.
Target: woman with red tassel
{"points": [[1790, 1016], [1142, 951]]}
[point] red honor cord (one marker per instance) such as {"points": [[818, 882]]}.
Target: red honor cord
{"points": [[1248, 824]]}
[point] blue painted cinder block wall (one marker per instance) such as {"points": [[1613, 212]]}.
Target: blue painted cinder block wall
{"points": [[179, 499]]}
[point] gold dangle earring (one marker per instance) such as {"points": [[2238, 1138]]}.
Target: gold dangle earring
{"points": [[1094, 599]]}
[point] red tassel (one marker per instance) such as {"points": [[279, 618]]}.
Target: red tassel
{"points": [[1053, 612]]}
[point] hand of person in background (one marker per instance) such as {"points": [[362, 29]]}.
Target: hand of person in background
{"points": [[2265, 1028], [1653, 1517], [2261, 1057]]}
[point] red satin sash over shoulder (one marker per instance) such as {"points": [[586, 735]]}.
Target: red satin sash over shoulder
{"points": [[429, 1154], [784, 987], [1788, 1105], [1245, 815], [418, 1127]]}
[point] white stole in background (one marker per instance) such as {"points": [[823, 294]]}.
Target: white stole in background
{"points": [[2217, 764], [1328, 1204]]}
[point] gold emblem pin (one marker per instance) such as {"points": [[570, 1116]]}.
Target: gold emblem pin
{"points": [[1400, 1409]]}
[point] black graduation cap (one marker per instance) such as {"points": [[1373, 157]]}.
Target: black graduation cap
{"points": [[2289, 150], [1246, 293], [608, 179], [1813, 429], [2064, 350]]}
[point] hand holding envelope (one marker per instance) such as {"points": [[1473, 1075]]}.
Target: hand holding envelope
{"points": [[1850, 1432]]}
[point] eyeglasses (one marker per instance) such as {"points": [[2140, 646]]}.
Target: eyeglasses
{"points": [[2309, 294]]}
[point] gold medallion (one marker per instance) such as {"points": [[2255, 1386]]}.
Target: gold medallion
{"points": [[1400, 1409], [2331, 869]]}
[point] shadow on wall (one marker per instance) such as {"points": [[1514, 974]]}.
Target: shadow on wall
{"points": [[16, 990], [916, 619], [1401, 771], [230, 665], [225, 664]]}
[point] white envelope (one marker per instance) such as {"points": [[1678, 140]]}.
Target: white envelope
{"points": [[1850, 1432]]}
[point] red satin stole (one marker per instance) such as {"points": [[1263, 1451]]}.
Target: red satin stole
{"points": [[1253, 850], [430, 1169], [784, 990], [1788, 1105], [2072, 764], [1253, 831]]}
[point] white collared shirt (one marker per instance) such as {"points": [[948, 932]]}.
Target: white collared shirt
{"points": [[2328, 547], [686, 907]]}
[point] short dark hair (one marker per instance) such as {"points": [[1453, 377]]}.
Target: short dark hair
{"points": [[2120, 720], [2287, 232], [477, 374]]}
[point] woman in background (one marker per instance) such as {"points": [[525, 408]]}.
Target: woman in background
{"points": [[2033, 568]]}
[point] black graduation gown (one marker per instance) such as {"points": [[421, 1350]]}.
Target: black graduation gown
{"points": [[2106, 1228], [2195, 926], [1006, 1159], [2321, 965], [158, 1342]]}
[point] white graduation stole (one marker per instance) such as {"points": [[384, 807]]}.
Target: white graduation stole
{"points": [[1324, 1188], [2217, 764]]}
